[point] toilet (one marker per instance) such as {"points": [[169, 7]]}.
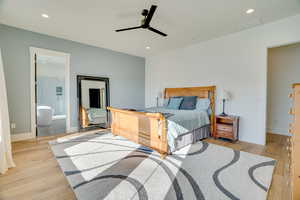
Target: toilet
{"points": [[44, 115]]}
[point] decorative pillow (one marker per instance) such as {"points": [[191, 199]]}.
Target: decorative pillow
{"points": [[175, 103], [188, 103], [203, 104], [166, 102]]}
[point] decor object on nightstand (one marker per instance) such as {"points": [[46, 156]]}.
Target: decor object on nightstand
{"points": [[227, 127], [225, 96], [158, 97]]}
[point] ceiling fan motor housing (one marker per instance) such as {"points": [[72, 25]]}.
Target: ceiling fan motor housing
{"points": [[145, 12]]}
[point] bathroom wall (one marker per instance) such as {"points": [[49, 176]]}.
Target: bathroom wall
{"points": [[50, 75], [47, 94]]}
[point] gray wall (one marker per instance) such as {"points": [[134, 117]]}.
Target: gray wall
{"points": [[126, 73], [283, 71]]}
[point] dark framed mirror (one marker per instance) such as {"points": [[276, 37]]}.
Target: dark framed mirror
{"points": [[93, 100]]}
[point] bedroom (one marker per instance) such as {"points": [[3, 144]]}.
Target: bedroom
{"points": [[228, 48]]}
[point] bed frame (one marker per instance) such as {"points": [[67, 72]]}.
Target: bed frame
{"points": [[150, 129]]}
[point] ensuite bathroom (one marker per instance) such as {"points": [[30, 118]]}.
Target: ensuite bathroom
{"points": [[50, 95]]}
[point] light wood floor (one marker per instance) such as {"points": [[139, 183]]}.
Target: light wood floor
{"points": [[38, 176]]}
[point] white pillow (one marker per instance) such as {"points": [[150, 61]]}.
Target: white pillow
{"points": [[203, 104]]}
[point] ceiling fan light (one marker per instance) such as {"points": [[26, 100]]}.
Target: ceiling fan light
{"points": [[250, 10], [45, 15]]}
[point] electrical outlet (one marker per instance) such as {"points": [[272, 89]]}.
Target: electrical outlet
{"points": [[13, 125]]}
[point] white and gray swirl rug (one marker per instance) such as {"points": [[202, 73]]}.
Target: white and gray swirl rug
{"points": [[100, 166]]}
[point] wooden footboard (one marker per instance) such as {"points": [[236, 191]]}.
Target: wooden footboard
{"points": [[150, 129], [147, 129]]}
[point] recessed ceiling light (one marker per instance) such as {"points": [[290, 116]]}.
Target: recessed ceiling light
{"points": [[249, 11], [45, 15], [148, 48]]}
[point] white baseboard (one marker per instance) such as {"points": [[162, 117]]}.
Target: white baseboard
{"points": [[278, 131], [73, 129], [26, 136], [22, 136]]}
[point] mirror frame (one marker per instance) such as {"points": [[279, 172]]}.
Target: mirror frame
{"points": [[79, 99]]}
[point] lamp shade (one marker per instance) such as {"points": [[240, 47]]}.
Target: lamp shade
{"points": [[225, 95], [160, 95]]}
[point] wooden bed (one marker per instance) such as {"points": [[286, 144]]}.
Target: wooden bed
{"points": [[150, 129]]}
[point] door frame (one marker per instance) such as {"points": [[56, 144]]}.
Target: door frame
{"points": [[39, 51]]}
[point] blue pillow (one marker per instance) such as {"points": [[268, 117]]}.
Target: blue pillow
{"points": [[174, 103], [203, 105], [166, 102], [188, 103]]}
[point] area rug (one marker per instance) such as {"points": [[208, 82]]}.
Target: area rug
{"points": [[101, 166]]}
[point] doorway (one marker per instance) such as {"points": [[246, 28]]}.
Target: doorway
{"points": [[50, 92], [283, 72]]}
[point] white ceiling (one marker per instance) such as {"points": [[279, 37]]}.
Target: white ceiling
{"points": [[185, 21]]}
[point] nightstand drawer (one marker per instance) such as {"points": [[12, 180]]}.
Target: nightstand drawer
{"points": [[224, 134], [224, 127], [227, 127]]}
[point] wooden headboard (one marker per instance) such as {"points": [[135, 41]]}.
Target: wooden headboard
{"points": [[200, 92]]}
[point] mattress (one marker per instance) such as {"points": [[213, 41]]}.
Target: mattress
{"points": [[181, 122], [191, 137]]}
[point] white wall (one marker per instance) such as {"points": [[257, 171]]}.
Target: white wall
{"points": [[237, 62], [283, 71]]}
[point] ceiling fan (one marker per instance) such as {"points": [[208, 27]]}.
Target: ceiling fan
{"points": [[148, 14]]}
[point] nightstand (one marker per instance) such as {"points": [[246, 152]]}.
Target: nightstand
{"points": [[227, 127]]}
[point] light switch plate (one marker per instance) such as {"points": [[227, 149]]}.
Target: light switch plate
{"points": [[13, 125]]}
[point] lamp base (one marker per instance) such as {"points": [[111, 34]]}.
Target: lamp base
{"points": [[223, 114]]}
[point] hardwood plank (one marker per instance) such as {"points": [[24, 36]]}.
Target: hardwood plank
{"points": [[38, 176]]}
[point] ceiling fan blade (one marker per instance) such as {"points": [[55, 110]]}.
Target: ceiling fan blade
{"points": [[127, 29], [157, 31], [150, 15]]}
